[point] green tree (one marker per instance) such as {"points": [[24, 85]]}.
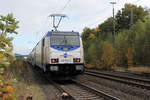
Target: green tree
{"points": [[121, 45], [147, 41], [106, 28], [108, 57], [132, 42], [8, 25], [123, 16]]}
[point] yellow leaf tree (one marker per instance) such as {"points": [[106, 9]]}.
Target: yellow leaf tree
{"points": [[107, 58], [92, 36], [8, 25], [130, 55]]}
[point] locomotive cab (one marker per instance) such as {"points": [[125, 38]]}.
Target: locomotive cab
{"points": [[65, 54], [59, 54]]}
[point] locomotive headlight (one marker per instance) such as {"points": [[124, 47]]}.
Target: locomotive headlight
{"points": [[79, 67], [54, 68], [54, 60], [76, 60]]}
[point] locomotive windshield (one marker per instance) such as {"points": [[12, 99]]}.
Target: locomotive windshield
{"points": [[66, 39]]}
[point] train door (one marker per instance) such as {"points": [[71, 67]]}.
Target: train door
{"points": [[43, 51]]}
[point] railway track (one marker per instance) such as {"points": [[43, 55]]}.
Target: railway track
{"points": [[79, 91], [64, 94], [142, 83], [74, 90], [99, 95]]}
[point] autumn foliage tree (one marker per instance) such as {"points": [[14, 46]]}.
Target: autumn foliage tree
{"points": [[8, 25], [131, 42], [123, 17], [107, 58], [130, 56]]}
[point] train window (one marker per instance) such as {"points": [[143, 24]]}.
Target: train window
{"points": [[67, 33], [65, 39], [43, 42]]}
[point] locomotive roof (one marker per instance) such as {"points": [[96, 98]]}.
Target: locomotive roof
{"points": [[49, 32]]}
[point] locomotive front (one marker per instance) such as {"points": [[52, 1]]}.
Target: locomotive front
{"points": [[65, 54]]}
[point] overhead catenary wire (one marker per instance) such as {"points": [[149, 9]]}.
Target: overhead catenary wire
{"points": [[65, 6], [96, 21], [137, 1], [127, 1], [59, 12], [119, 1]]}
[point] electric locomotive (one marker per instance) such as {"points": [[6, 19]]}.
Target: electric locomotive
{"points": [[59, 53]]}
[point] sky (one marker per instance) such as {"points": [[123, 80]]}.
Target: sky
{"points": [[34, 20]]}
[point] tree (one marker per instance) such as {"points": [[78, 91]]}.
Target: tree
{"points": [[86, 32], [131, 42], [123, 16], [8, 25], [106, 28], [107, 58], [121, 45]]}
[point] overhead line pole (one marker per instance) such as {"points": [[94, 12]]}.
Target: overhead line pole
{"points": [[131, 20], [113, 3]]}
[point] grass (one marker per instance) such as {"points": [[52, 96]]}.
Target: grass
{"points": [[119, 69], [142, 69], [21, 77], [90, 66], [23, 90]]}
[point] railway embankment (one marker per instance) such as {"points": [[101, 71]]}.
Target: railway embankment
{"points": [[22, 79], [31, 83], [139, 70], [124, 85]]}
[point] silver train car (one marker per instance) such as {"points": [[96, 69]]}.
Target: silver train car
{"points": [[59, 53]]}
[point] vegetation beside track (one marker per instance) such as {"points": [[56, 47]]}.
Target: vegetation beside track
{"points": [[140, 69], [21, 77], [130, 46], [16, 80], [8, 25]]}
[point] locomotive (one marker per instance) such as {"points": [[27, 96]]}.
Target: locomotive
{"points": [[59, 53]]}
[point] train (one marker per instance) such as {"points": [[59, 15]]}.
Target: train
{"points": [[59, 53]]}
